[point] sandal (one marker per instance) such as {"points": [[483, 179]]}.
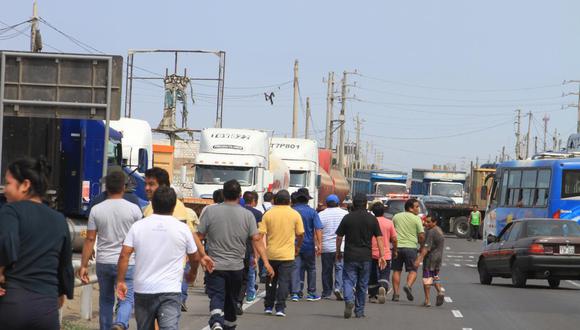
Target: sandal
{"points": [[440, 299]]}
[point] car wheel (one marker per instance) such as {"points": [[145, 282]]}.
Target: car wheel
{"points": [[518, 277], [554, 284], [484, 276], [461, 227]]}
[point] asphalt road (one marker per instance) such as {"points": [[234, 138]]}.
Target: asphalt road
{"points": [[469, 305]]}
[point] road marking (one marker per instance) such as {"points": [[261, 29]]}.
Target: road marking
{"points": [[467, 329], [447, 248], [444, 264], [574, 284], [448, 299], [471, 265], [450, 256], [457, 313], [457, 265], [245, 306], [471, 257]]}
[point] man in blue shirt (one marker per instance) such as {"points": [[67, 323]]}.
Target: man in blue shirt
{"points": [[311, 247]]}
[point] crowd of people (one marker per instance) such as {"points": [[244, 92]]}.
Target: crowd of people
{"points": [[146, 258]]}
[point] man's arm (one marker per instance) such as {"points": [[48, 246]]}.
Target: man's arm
{"points": [[122, 266], [423, 252], [260, 249], [299, 240], [318, 239], [338, 246], [194, 263], [421, 239], [382, 262], [88, 249], [206, 262], [395, 246]]}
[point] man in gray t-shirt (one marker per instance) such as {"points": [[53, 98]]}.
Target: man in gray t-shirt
{"points": [[226, 227], [109, 223], [432, 256]]}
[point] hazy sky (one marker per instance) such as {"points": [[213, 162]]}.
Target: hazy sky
{"points": [[439, 80]]}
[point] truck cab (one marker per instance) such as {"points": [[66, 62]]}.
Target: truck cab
{"points": [[301, 157], [439, 183]]}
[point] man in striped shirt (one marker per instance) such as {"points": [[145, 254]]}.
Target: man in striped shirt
{"points": [[330, 219]]}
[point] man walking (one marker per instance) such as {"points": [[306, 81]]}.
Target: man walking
{"points": [[284, 234], [226, 227], [311, 247], [379, 280], [410, 235], [359, 227], [330, 218], [474, 223], [267, 204], [159, 241], [432, 256], [110, 220]]}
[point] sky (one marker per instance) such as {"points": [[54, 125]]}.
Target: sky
{"points": [[437, 81]]}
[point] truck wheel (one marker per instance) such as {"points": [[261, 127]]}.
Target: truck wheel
{"points": [[461, 227]]}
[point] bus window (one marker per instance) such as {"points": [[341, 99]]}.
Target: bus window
{"points": [[570, 183], [514, 191], [528, 187], [504, 189], [543, 185]]}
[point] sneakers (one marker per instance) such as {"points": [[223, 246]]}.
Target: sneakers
{"points": [[382, 295], [373, 300], [338, 295], [408, 292], [183, 307], [239, 309], [268, 310], [280, 313], [217, 326], [440, 299], [295, 297], [250, 298], [117, 326], [312, 297], [395, 297], [348, 307]]}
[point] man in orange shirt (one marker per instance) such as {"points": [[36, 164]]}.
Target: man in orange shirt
{"points": [[379, 279]]}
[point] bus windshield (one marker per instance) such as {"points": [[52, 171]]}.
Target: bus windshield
{"points": [[212, 174], [298, 179], [385, 189], [447, 189], [570, 183]]}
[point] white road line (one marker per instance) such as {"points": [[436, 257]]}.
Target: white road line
{"points": [[452, 256], [448, 299], [259, 296], [447, 248], [467, 329], [574, 284], [471, 257], [474, 253], [457, 265], [471, 265], [444, 264], [457, 313]]}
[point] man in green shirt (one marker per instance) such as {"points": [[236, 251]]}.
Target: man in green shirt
{"points": [[474, 223], [410, 235]]}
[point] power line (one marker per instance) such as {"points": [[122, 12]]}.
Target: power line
{"points": [[462, 105], [27, 35]]}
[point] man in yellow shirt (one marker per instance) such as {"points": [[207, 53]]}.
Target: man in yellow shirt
{"points": [[284, 233]]}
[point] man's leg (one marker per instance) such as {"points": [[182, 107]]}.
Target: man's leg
{"points": [[271, 286], [374, 280], [216, 287], [126, 306], [309, 263], [106, 276], [169, 311], [184, 287], [410, 256], [243, 286], [295, 276], [383, 282], [338, 279], [397, 267], [251, 287], [364, 270], [476, 230], [349, 276], [145, 311], [284, 276], [233, 282], [327, 260]]}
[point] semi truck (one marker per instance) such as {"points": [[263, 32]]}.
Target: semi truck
{"points": [[438, 183], [332, 180], [59, 107], [379, 182], [301, 156], [240, 154]]}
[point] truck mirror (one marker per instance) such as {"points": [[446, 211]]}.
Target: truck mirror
{"points": [[268, 178], [483, 192], [119, 154], [143, 160], [318, 180]]}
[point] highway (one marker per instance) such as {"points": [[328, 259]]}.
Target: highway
{"points": [[469, 305]]}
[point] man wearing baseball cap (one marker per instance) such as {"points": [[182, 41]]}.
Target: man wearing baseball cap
{"points": [[330, 219]]}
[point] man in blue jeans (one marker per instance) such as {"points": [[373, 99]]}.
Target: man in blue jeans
{"points": [[311, 247], [359, 227], [330, 219], [110, 220]]}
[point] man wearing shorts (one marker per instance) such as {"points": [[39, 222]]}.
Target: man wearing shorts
{"points": [[410, 235], [432, 255]]}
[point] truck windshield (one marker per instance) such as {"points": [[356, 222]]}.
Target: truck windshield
{"points": [[570, 183], [386, 189], [298, 179], [447, 189], [211, 174]]}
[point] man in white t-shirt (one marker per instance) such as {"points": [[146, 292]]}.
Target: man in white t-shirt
{"points": [[330, 219], [110, 220], [160, 242]]}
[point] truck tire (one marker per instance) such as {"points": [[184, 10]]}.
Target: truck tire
{"points": [[461, 227]]}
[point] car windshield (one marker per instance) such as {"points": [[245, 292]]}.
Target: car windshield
{"points": [[447, 189], [298, 179], [552, 228], [570, 183], [395, 206], [210, 174], [386, 189]]}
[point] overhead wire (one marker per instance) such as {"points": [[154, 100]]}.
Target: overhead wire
{"points": [[28, 35]]}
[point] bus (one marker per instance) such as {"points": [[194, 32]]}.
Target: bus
{"points": [[536, 188]]}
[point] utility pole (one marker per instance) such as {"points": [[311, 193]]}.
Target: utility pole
{"points": [[535, 145], [528, 134], [329, 104], [555, 140], [502, 159], [357, 158], [546, 119], [296, 101], [577, 105], [307, 124], [342, 123], [35, 40], [518, 133]]}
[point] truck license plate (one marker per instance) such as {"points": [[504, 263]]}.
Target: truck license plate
{"points": [[567, 249]]}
